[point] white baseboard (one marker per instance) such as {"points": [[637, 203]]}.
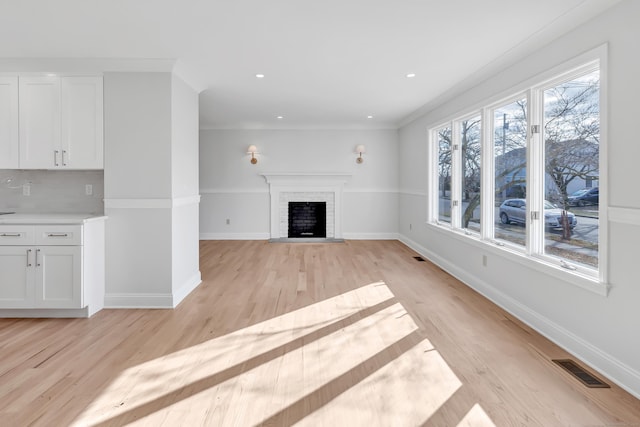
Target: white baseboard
{"points": [[138, 301], [620, 373], [370, 236], [267, 236], [153, 300], [50, 312], [235, 236], [186, 288]]}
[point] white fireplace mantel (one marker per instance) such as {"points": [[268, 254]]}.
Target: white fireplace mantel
{"points": [[300, 178], [305, 182]]}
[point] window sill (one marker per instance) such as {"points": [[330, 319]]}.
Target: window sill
{"points": [[542, 265]]}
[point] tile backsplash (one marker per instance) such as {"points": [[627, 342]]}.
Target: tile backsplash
{"points": [[51, 191]]}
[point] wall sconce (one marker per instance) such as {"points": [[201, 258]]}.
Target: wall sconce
{"points": [[253, 151], [360, 150]]}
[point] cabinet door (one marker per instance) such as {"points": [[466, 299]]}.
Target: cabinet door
{"points": [[9, 142], [39, 101], [16, 276], [58, 277], [82, 123]]}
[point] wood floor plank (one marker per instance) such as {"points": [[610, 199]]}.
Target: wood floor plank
{"points": [[335, 334]]}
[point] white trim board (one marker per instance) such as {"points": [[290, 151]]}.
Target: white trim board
{"points": [[164, 203], [234, 236], [629, 216], [370, 236], [234, 191], [42, 312], [266, 191], [409, 192], [138, 301], [186, 288]]}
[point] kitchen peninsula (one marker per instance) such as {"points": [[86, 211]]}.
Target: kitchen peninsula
{"points": [[53, 264]]}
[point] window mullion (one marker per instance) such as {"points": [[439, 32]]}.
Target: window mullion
{"points": [[456, 175], [433, 178], [535, 173], [487, 193]]}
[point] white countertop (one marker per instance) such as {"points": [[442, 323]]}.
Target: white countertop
{"points": [[50, 218]]}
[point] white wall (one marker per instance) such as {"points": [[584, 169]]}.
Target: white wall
{"points": [[150, 177], [232, 188], [185, 190], [137, 175], [601, 330], [137, 114], [184, 136]]}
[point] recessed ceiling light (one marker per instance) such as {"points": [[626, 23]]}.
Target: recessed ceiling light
{"points": [[369, 117], [260, 76], [279, 117], [411, 75]]}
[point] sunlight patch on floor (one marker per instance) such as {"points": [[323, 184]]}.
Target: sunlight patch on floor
{"points": [[476, 417], [407, 391], [155, 384], [355, 357], [257, 394]]}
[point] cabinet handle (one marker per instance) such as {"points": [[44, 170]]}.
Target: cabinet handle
{"points": [[64, 163], [55, 157], [37, 252], [28, 256], [57, 235], [10, 234]]}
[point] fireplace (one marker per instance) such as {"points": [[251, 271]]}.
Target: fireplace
{"points": [[307, 219], [326, 188]]}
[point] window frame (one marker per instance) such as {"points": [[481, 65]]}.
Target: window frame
{"points": [[532, 254]]}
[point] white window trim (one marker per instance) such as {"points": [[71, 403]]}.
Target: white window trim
{"points": [[533, 256]]}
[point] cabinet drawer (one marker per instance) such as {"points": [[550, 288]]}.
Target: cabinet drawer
{"points": [[59, 235], [13, 235]]}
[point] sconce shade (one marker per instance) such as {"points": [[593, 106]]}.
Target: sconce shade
{"points": [[359, 150], [253, 150]]}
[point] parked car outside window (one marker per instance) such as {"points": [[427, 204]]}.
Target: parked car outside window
{"points": [[586, 196], [515, 210]]}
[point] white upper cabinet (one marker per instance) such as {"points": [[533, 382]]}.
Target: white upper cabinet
{"points": [[61, 125], [39, 122], [82, 123], [9, 141]]}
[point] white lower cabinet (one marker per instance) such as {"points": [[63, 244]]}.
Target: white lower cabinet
{"points": [[44, 267], [58, 281], [17, 286], [41, 277]]}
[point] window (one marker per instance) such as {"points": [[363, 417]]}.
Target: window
{"points": [[510, 164], [443, 136], [571, 166], [470, 175], [537, 192]]}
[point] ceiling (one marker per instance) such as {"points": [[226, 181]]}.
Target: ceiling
{"points": [[327, 64]]}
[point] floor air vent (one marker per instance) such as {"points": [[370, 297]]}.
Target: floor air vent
{"points": [[578, 371], [418, 258]]}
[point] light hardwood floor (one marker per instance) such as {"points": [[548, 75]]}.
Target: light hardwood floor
{"points": [[331, 334]]}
